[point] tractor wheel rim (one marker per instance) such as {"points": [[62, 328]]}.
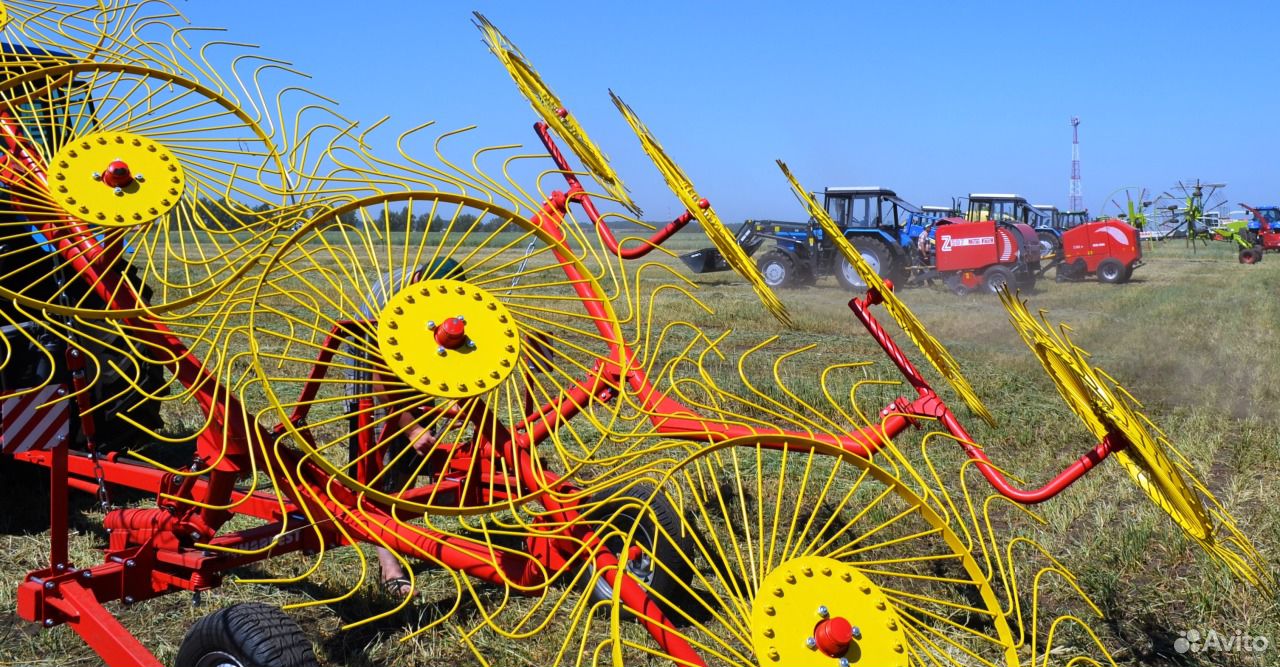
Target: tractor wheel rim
{"points": [[851, 274], [218, 659], [774, 273]]}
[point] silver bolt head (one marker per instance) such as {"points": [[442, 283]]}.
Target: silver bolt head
{"points": [[823, 611], [811, 643], [441, 351], [118, 191], [857, 632], [97, 175], [431, 325], [844, 662]]}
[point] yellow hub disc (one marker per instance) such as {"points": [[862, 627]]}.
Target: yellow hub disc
{"points": [[448, 338], [115, 179], [813, 611]]}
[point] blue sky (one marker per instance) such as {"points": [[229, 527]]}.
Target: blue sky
{"points": [[932, 99]]}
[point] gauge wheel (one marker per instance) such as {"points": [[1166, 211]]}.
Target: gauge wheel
{"points": [[249, 634]]}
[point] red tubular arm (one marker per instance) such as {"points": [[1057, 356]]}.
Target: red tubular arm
{"points": [[929, 404], [576, 192]]}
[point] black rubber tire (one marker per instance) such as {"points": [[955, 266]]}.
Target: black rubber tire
{"points": [[1070, 272], [250, 634], [956, 285], [1049, 243], [1111, 271], [1128, 272], [672, 545], [778, 269], [996, 277], [877, 253], [1250, 256]]}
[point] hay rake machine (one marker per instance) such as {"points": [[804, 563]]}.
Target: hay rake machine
{"points": [[430, 360]]}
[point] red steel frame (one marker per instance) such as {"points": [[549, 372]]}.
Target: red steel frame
{"points": [[154, 551]]}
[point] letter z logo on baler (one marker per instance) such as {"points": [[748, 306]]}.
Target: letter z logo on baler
{"points": [[970, 247]]}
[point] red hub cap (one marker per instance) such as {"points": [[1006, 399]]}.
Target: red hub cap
{"points": [[834, 636], [117, 175], [452, 333]]}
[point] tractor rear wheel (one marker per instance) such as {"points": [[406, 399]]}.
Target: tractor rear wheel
{"points": [[251, 634], [1111, 270], [1250, 256], [778, 269], [877, 253], [997, 277], [1050, 244]]}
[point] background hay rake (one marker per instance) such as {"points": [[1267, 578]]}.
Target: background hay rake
{"points": [[537, 487]]}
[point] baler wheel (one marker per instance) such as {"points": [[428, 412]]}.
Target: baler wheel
{"points": [[1111, 271], [996, 278]]}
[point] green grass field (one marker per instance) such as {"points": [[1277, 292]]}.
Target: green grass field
{"points": [[1193, 337]]}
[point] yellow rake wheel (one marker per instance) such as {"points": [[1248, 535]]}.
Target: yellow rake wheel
{"points": [[553, 113], [165, 180], [1106, 409], [445, 315], [806, 555], [929, 346], [1104, 414], [683, 189], [42, 29]]}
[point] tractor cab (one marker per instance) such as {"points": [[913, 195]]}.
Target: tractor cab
{"points": [[863, 209], [1014, 209], [1065, 220], [1049, 212], [1062, 220], [1005, 208], [1265, 216], [932, 214]]}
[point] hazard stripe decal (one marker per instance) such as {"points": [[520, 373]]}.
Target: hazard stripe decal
{"points": [[30, 422]]}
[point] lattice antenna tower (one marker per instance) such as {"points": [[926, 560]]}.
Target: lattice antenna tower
{"points": [[1075, 200]]}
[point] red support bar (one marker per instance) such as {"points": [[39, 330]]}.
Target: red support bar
{"points": [[577, 193], [101, 631], [931, 405]]}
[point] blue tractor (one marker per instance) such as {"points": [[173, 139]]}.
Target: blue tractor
{"points": [[883, 227]]}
